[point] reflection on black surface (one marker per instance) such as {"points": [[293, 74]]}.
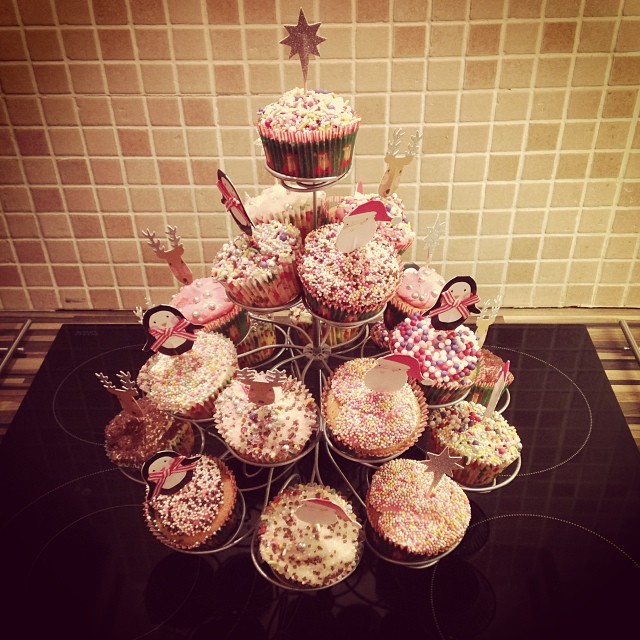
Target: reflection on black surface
{"points": [[554, 554]]}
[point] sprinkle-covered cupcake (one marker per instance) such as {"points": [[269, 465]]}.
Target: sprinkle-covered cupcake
{"points": [[328, 334], [188, 384], [309, 536], [259, 270], [485, 381], [277, 203], [448, 358], [205, 302], [398, 232], [308, 134], [487, 446], [371, 424], [347, 287], [200, 513], [130, 439], [265, 418], [413, 521], [261, 335]]}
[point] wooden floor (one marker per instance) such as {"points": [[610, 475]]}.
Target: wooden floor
{"points": [[604, 326]]}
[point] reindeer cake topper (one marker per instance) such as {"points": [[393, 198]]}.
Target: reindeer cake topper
{"points": [[359, 226], [167, 472], [233, 204], [126, 395], [487, 317], [172, 256], [389, 373], [260, 387], [395, 162], [170, 333], [456, 302]]}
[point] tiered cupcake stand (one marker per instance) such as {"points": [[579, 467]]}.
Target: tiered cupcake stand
{"points": [[310, 357]]}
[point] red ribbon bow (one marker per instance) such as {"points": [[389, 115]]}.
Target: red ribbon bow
{"points": [[449, 302], [230, 203], [176, 466], [178, 329]]}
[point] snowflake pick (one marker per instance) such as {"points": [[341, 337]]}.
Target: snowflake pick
{"points": [[304, 41], [441, 464]]}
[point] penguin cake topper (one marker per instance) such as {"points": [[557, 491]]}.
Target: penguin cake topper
{"points": [[359, 226], [456, 302], [169, 332], [166, 472], [233, 204], [389, 373]]}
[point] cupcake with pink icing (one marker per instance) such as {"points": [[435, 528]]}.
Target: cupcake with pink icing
{"points": [[259, 270], [448, 357], [347, 286], [308, 134], [412, 519], [293, 207]]}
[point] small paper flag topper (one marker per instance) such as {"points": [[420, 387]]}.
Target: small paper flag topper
{"points": [[360, 226], [501, 383], [441, 464], [488, 313], [389, 373], [455, 303], [126, 395], [303, 39], [395, 163], [170, 333], [173, 257], [260, 387], [321, 511], [233, 204], [167, 472]]}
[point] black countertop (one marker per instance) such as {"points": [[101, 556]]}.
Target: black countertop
{"points": [[556, 553]]}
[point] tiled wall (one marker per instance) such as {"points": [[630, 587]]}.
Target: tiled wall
{"points": [[115, 115]]}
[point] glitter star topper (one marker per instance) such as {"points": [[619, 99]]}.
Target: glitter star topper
{"points": [[441, 464], [304, 41]]}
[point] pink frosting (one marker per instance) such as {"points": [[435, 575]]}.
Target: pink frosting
{"points": [[202, 301], [420, 287]]}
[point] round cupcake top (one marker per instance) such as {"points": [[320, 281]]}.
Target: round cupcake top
{"points": [[204, 300], [310, 553], [490, 367], [273, 246], [491, 441], [131, 439], [362, 279], [198, 509], [405, 513], [266, 433], [420, 288], [179, 383], [297, 110], [366, 420], [446, 357], [276, 199]]}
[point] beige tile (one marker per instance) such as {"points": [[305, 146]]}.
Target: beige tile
{"points": [[503, 167], [445, 39], [112, 199], [409, 41], [525, 248], [606, 165], [533, 195], [189, 44], [194, 78], [625, 70], [338, 75], [152, 44], [588, 247], [157, 78], [620, 247], [633, 166], [201, 142], [440, 107], [164, 111], [406, 75], [169, 142], [520, 37], [584, 103], [620, 103], [627, 39], [626, 222], [443, 75], [578, 135], [449, 9], [507, 137], [405, 109], [469, 168], [572, 165], [567, 194], [538, 166], [490, 249], [80, 199], [541, 136], [372, 108], [516, 72], [38, 171], [609, 296], [520, 272], [66, 141], [596, 36], [480, 74], [229, 79], [483, 39], [185, 11], [583, 271], [463, 223], [499, 196], [141, 171], [558, 37], [600, 193], [594, 221], [562, 8], [590, 71], [547, 104], [372, 76], [433, 198], [512, 105], [262, 44], [630, 194], [173, 171], [437, 169], [556, 247], [476, 106], [372, 11], [43, 44], [461, 251], [145, 12], [145, 199], [612, 135], [553, 72], [472, 137], [51, 78], [371, 41], [552, 271]]}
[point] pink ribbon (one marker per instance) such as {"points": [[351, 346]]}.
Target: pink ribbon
{"points": [[230, 203], [178, 329], [176, 466], [449, 302]]}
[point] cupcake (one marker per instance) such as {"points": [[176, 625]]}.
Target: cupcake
{"points": [[283, 205], [205, 302], [265, 418], [308, 134], [485, 381], [259, 270], [347, 287], [261, 334], [417, 292], [130, 439], [328, 334], [200, 513], [188, 384], [309, 536], [448, 358], [371, 424], [487, 446], [398, 232], [412, 520], [379, 334]]}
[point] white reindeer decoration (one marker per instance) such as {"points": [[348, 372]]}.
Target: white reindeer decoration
{"points": [[127, 395], [395, 162], [173, 256], [260, 386], [488, 313]]}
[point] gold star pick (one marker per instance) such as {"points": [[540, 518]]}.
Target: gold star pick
{"points": [[303, 40], [441, 464]]}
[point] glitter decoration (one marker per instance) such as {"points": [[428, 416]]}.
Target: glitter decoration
{"points": [[441, 464], [303, 39]]}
